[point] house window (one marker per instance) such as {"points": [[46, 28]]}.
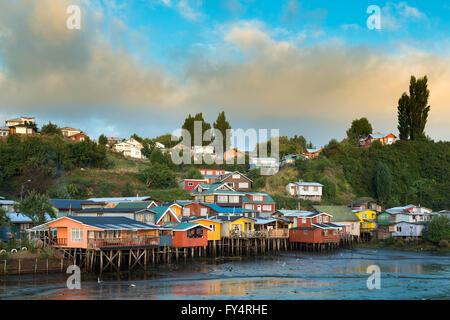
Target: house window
{"points": [[204, 211], [213, 227], [186, 212], [91, 234], [316, 188], [76, 235], [325, 233], [249, 206], [236, 176], [190, 184], [222, 199], [303, 220], [320, 219], [258, 198], [243, 185], [234, 199], [305, 232], [267, 208], [325, 219], [305, 188], [364, 216]]}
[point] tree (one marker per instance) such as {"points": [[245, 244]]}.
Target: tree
{"points": [[437, 229], [383, 182], [157, 176], [359, 128], [418, 108], [223, 125], [193, 173], [403, 117], [329, 188], [35, 206], [51, 129], [189, 124], [4, 220], [102, 140], [148, 147]]}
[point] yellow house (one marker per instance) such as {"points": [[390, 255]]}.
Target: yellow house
{"points": [[367, 219], [176, 208], [235, 225], [214, 225]]}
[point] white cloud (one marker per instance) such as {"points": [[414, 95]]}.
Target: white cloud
{"points": [[395, 16]]}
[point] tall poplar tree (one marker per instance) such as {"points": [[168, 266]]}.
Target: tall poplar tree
{"points": [[223, 125], [403, 117], [418, 106]]}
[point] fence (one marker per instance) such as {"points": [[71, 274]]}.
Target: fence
{"points": [[123, 242]]}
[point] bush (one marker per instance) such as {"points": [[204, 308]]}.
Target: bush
{"points": [[437, 229], [390, 241], [443, 244], [12, 244], [399, 243], [46, 253]]}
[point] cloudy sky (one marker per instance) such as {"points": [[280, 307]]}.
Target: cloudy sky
{"points": [[304, 67]]}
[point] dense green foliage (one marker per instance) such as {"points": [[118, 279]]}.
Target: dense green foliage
{"points": [[35, 206], [102, 140], [189, 125], [437, 229], [359, 128], [49, 155], [223, 125], [383, 183], [416, 168], [50, 129], [193, 173], [4, 220], [158, 176]]}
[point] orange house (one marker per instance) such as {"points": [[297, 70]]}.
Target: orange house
{"points": [[102, 232], [187, 234]]}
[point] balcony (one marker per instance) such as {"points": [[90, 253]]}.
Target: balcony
{"points": [[123, 242]]}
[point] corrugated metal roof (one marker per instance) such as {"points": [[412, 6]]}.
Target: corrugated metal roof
{"points": [[113, 223], [67, 203]]}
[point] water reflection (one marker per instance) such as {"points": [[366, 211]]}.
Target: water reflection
{"points": [[342, 275]]}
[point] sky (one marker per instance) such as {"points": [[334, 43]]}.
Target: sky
{"points": [[304, 67]]}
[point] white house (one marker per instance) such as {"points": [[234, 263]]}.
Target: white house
{"points": [[68, 131], [305, 190], [130, 148], [410, 214], [407, 229]]}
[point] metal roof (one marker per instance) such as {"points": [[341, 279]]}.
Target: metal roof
{"points": [[67, 203], [304, 183], [122, 199], [113, 223]]}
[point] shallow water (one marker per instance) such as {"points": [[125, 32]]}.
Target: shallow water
{"points": [[291, 275]]}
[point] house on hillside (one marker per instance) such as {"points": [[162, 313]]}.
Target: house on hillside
{"points": [[212, 174], [236, 180], [113, 201], [78, 137], [291, 158], [129, 148], [214, 232], [136, 205], [232, 154], [4, 131], [385, 139], [268, 165], [305, 190], [365, 203], [21, 126], [343, 216], [111, 141], [190, 184], [312, 153], [69, 132]]}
